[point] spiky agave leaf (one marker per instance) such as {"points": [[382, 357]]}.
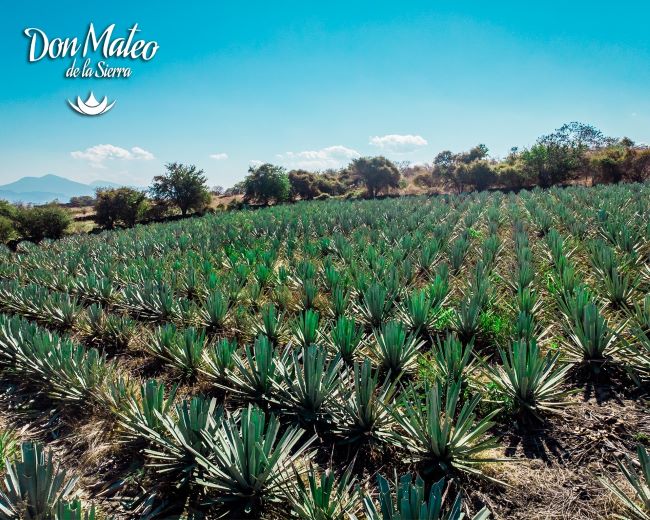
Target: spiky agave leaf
{"points": [[530, 381], [637, 505], [409, 501], [324, 496], [248, 464], [34, 486], [436, 434]]}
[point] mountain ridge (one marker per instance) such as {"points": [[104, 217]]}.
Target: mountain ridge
{"points": [[49, 187]]}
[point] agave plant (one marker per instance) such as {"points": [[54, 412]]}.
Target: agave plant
{"points": [[410, 501], [310, 382], [110, 331], [249, 465], [183, 350], [453, 360], [528, 380], [183, 439], [219, 359], [256, 372], [34, 487], [306, 328], [144, 413], [395, 350], [324, 496], [339, 301], [363, 414], [637, 474], [418, 313], [271, 324], [591, 339], [215, 311], [345, 337], [375, 305], [436, 434]]}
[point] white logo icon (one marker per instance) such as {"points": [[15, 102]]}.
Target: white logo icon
{"points": [[91, 107]]}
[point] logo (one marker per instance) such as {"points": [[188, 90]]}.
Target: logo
{"points": [[91, 107], [93, 52]]}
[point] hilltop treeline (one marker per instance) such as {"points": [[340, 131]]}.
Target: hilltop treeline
{"points": [[574, 153]]}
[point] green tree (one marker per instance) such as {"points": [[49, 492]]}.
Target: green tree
{"points": [[182, 185], [464, 169], [377, 173], [41, 222], [557, 156], [119, 206], [267, 183]]}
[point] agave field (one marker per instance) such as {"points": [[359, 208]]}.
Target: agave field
{"points": [[477, 356]]}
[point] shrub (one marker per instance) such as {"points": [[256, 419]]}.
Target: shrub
{"points": [[119, 205], [303, 184], [41, 222]]}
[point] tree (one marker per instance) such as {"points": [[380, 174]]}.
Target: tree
{"points": [[119, 205], [557, 156], [377, 173], [81, 201], [41, 222], [267, 183], [217, 190], [182, 185], [464, 168]]}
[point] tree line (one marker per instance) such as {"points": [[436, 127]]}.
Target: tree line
{"points": [[574, 152]]}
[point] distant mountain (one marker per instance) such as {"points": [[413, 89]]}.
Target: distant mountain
{"points": [[40, 190]]}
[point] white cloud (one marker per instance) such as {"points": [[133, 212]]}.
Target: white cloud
{"points": [[255, 163], [221, 156], [398, 143], [98, 154], [330, 157]]}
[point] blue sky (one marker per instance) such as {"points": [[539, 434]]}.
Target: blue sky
{"points": [[308, 84]]}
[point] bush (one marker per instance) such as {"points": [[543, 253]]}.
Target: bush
{"points": [[7, 230], [81, 201], [303, 184], [267, 183], [423, 180], [41, 222], [119, 206]]}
